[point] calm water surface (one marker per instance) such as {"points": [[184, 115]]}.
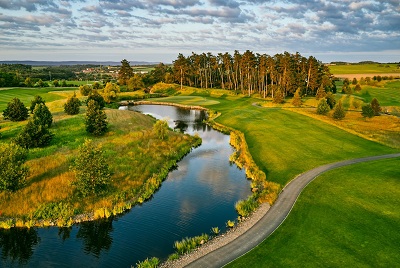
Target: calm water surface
{"points": [[198, 195]]}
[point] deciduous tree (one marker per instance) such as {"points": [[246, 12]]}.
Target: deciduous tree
{"points": [[13, 172], [91, 170], [96, 119], [110, 92]]}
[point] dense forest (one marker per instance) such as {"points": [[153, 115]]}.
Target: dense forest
{"points": [[249, 72]]}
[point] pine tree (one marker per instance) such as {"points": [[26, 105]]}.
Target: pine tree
{"points": [[16, 111], [97, 98], [376, 106], [37, 100], [278, 97], [367, 111], [96, 119], [43, 115], [125, 72], [320, 93], [71, 107], [330, 100], [296, 101], [338, 111], [323, 107]]}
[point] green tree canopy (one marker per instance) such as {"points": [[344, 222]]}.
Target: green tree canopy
{"points": [[110, 92], [43, 115], [125, 72], [13, 172], [36, 100], [85, 89], [96, 119], [91, 170], [94, 95], [16, 111], [72, 105]]}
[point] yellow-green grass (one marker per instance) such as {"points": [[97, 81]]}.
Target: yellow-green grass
{"points": [[27, 94], [387, 95], [349, 217], [374, 69], [134, 152]]}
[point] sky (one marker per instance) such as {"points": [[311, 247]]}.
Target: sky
{"points": [[157, 30]]}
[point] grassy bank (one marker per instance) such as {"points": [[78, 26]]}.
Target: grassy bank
{"points": [[138, 159], [346, 217]]}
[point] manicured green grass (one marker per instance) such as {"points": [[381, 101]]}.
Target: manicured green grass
{"points": [[364, 69], [388, 95], [27, 94], [349, 217]]}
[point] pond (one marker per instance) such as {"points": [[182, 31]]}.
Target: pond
{"points": [[198, 195]]}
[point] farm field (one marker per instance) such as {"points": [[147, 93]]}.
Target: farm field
{"points": [[346, 217], [375, 69]]}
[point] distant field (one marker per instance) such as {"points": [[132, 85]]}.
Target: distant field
{"points": [[27, 94], [347, 217], [364, 69], [389, 95]]}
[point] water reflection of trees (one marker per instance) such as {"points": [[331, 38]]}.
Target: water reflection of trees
{"points": [[96, 236], [17, 244], [64, 233]]}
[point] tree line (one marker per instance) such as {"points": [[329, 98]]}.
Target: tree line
{"points": [[253, 73]]}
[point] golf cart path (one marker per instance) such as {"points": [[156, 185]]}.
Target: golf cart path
{"points": [[274, 217]]}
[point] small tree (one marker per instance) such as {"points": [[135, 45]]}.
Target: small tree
{"points": [[323, 107], [296, 101], [160, 128], [16, 111], [94, 95], [43, 115], [34, 134], [71, 107], [376, 106], [85, 89], [110, 92], [91, 170], [338, 111], [354, 82], [330, 100], [135, 83], [37, 100], [96, 119], [13, 173], [367, 111], [278, 97], [357, 88], [321, 93]]}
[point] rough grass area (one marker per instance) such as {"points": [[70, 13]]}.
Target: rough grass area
{"points": [[387, 95], [138, 158], [347, 217]]}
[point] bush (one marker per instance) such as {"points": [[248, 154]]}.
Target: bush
{"points": [[323, 107], [37, 100], [330, 100], [278, 97], [16, 111], [71, 107], [94, 95], [42, 114], [148, 263], [13, 173], [160, 129], [246, 207], [34, 134], [96, 119], [367, 111], [85, 90], [338, 111], [91, 170], [376, 106]]}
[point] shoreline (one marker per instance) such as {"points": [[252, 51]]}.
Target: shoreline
{"points": [[219, 240]]}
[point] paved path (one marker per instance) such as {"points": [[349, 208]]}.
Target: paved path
{"points": [[273, 218]]}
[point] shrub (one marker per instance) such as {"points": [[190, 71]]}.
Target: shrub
{"points": [[42, 114], [96, 119], [91, 170], [71, 107], [367, 111], [278, 97], [338, 111], [37, 100], [160, 129], [323, 107], [16, 111], [246, 207], [376, 106], [13, 173], [215, 230], [230, 224], [148, 263], [94, 95], [85, 90], [34, 134], [296, 101]]}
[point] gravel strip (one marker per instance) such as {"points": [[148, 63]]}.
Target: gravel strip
{"points": [[220, 240]]}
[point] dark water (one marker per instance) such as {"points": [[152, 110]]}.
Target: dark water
{"points": [[198, 195]]}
